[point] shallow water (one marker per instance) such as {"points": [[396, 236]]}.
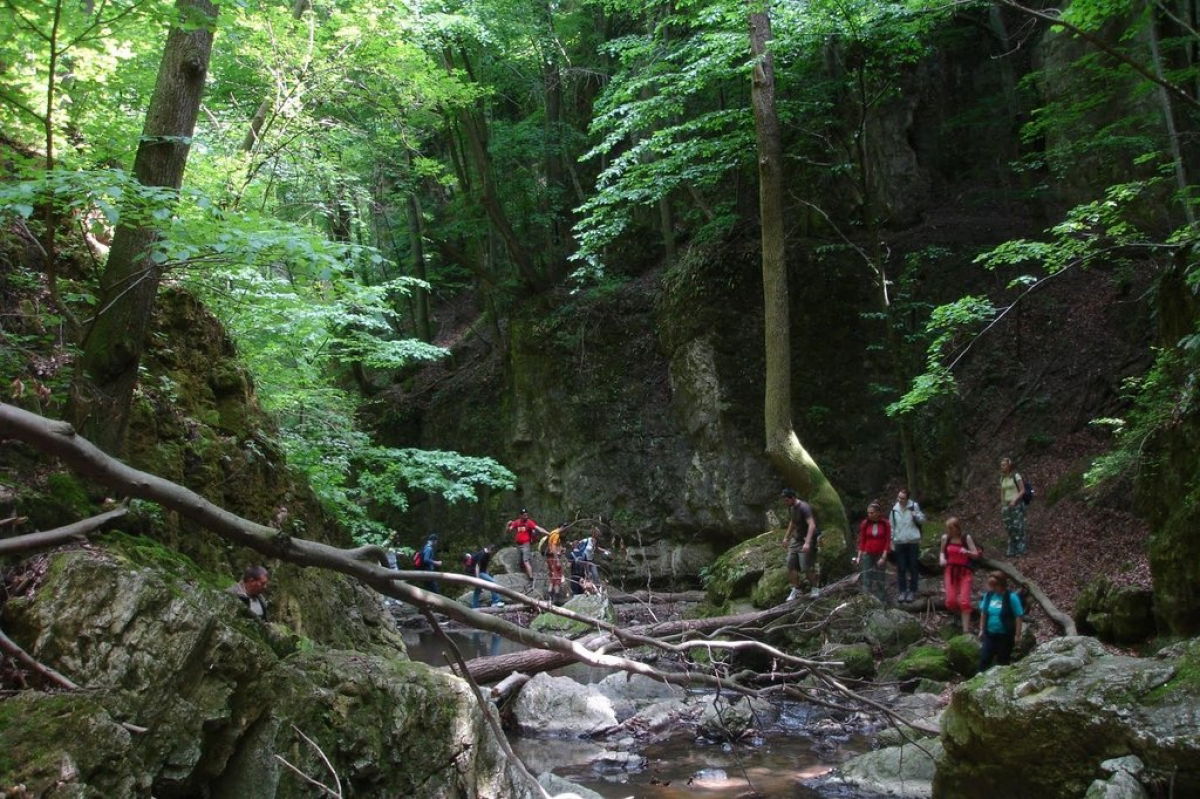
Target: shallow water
{"points": [[679, 766]]}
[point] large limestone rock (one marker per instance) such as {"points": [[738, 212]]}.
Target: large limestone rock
{"points": [[561, 707], [187, 696], [1048, 722], [903, 771]]}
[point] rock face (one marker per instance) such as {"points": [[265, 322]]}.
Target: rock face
{"points": [[1049, 722], [214, 699], [1116, 614]]}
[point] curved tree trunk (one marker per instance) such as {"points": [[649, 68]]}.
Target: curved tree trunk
{"points": [[112, 349], [784, 449]]}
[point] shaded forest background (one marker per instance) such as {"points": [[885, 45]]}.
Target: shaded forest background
{"points": [[509, 252]]}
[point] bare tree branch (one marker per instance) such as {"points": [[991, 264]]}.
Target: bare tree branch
{"points": [[77, 531], [1057, 616], [13, 650]]}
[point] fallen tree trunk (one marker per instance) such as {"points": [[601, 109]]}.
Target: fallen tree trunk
{"points": [[653, 598], [496, 667], [1065, 622], [77, 531]]}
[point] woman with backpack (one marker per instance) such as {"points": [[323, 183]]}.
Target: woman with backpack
{"points": [[907, 518], [1012, 507], [955, 554], [1000, 614]]}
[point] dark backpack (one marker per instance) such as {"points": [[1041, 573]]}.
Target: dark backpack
{"points": [[1027, 494]]}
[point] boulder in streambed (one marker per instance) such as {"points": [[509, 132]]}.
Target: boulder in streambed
{"points": [[1049, 722], [559, 707]]}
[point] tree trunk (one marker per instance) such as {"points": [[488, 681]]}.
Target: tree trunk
{"points": [[416, 238], [112, 349], [783, 447]]}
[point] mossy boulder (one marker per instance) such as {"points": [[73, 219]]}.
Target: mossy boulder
{"points": [[771, 589], [1116, 614], [962, 652], [921, 662], [1092, 706], [858, 661], [735, 573], [185, 660], [596, 606], [892, 630]]}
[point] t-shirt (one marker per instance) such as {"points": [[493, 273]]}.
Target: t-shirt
{"points": [[800, 512], [480, 560], [1008, 487], [522, 530], [993, 606]]}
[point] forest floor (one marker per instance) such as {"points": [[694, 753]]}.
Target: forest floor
{"points": [[1077, 344]]}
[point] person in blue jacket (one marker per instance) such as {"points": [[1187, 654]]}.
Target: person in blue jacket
{"points": [[1000, 615]]}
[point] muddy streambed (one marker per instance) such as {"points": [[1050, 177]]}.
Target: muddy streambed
{"points": [[787, 759]]}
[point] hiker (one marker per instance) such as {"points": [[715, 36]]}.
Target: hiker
{"points": [[954, 555], [874, 542], [906, 519], [801, 540], [585, 553], [429, 561], [552, 548], [478, 563], [523, 530], [250, 590], [1012, 507], [1000, 615]]}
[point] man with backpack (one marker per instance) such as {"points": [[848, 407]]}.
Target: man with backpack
{"points": [[477, 566], [426, 560], [907, 520]]}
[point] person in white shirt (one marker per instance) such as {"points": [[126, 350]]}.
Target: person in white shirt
{"points": [[906, 520]]}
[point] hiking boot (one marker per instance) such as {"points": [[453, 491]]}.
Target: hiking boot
{"points": [[814, 593], [497, 604], [793, 594]]}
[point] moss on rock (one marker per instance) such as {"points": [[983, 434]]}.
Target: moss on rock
{"points": [[921, 662]]}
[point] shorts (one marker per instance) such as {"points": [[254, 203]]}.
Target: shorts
{"points": [[523, 553], [803, 561]]}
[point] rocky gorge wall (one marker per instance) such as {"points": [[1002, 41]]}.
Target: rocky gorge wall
{"points": [[641, 399], [182, 693]]}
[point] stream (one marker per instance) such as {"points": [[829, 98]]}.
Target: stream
{"points": [[804, 743]]}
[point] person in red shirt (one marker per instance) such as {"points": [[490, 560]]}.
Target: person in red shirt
{"points": [[523, 529], [955, 555], [874, 541]]}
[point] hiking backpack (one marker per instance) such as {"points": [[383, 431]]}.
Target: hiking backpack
{"points": [[1027, 494], [418, 559]]}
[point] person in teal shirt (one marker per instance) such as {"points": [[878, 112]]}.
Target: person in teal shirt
{"points": [[1000, 615]]}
